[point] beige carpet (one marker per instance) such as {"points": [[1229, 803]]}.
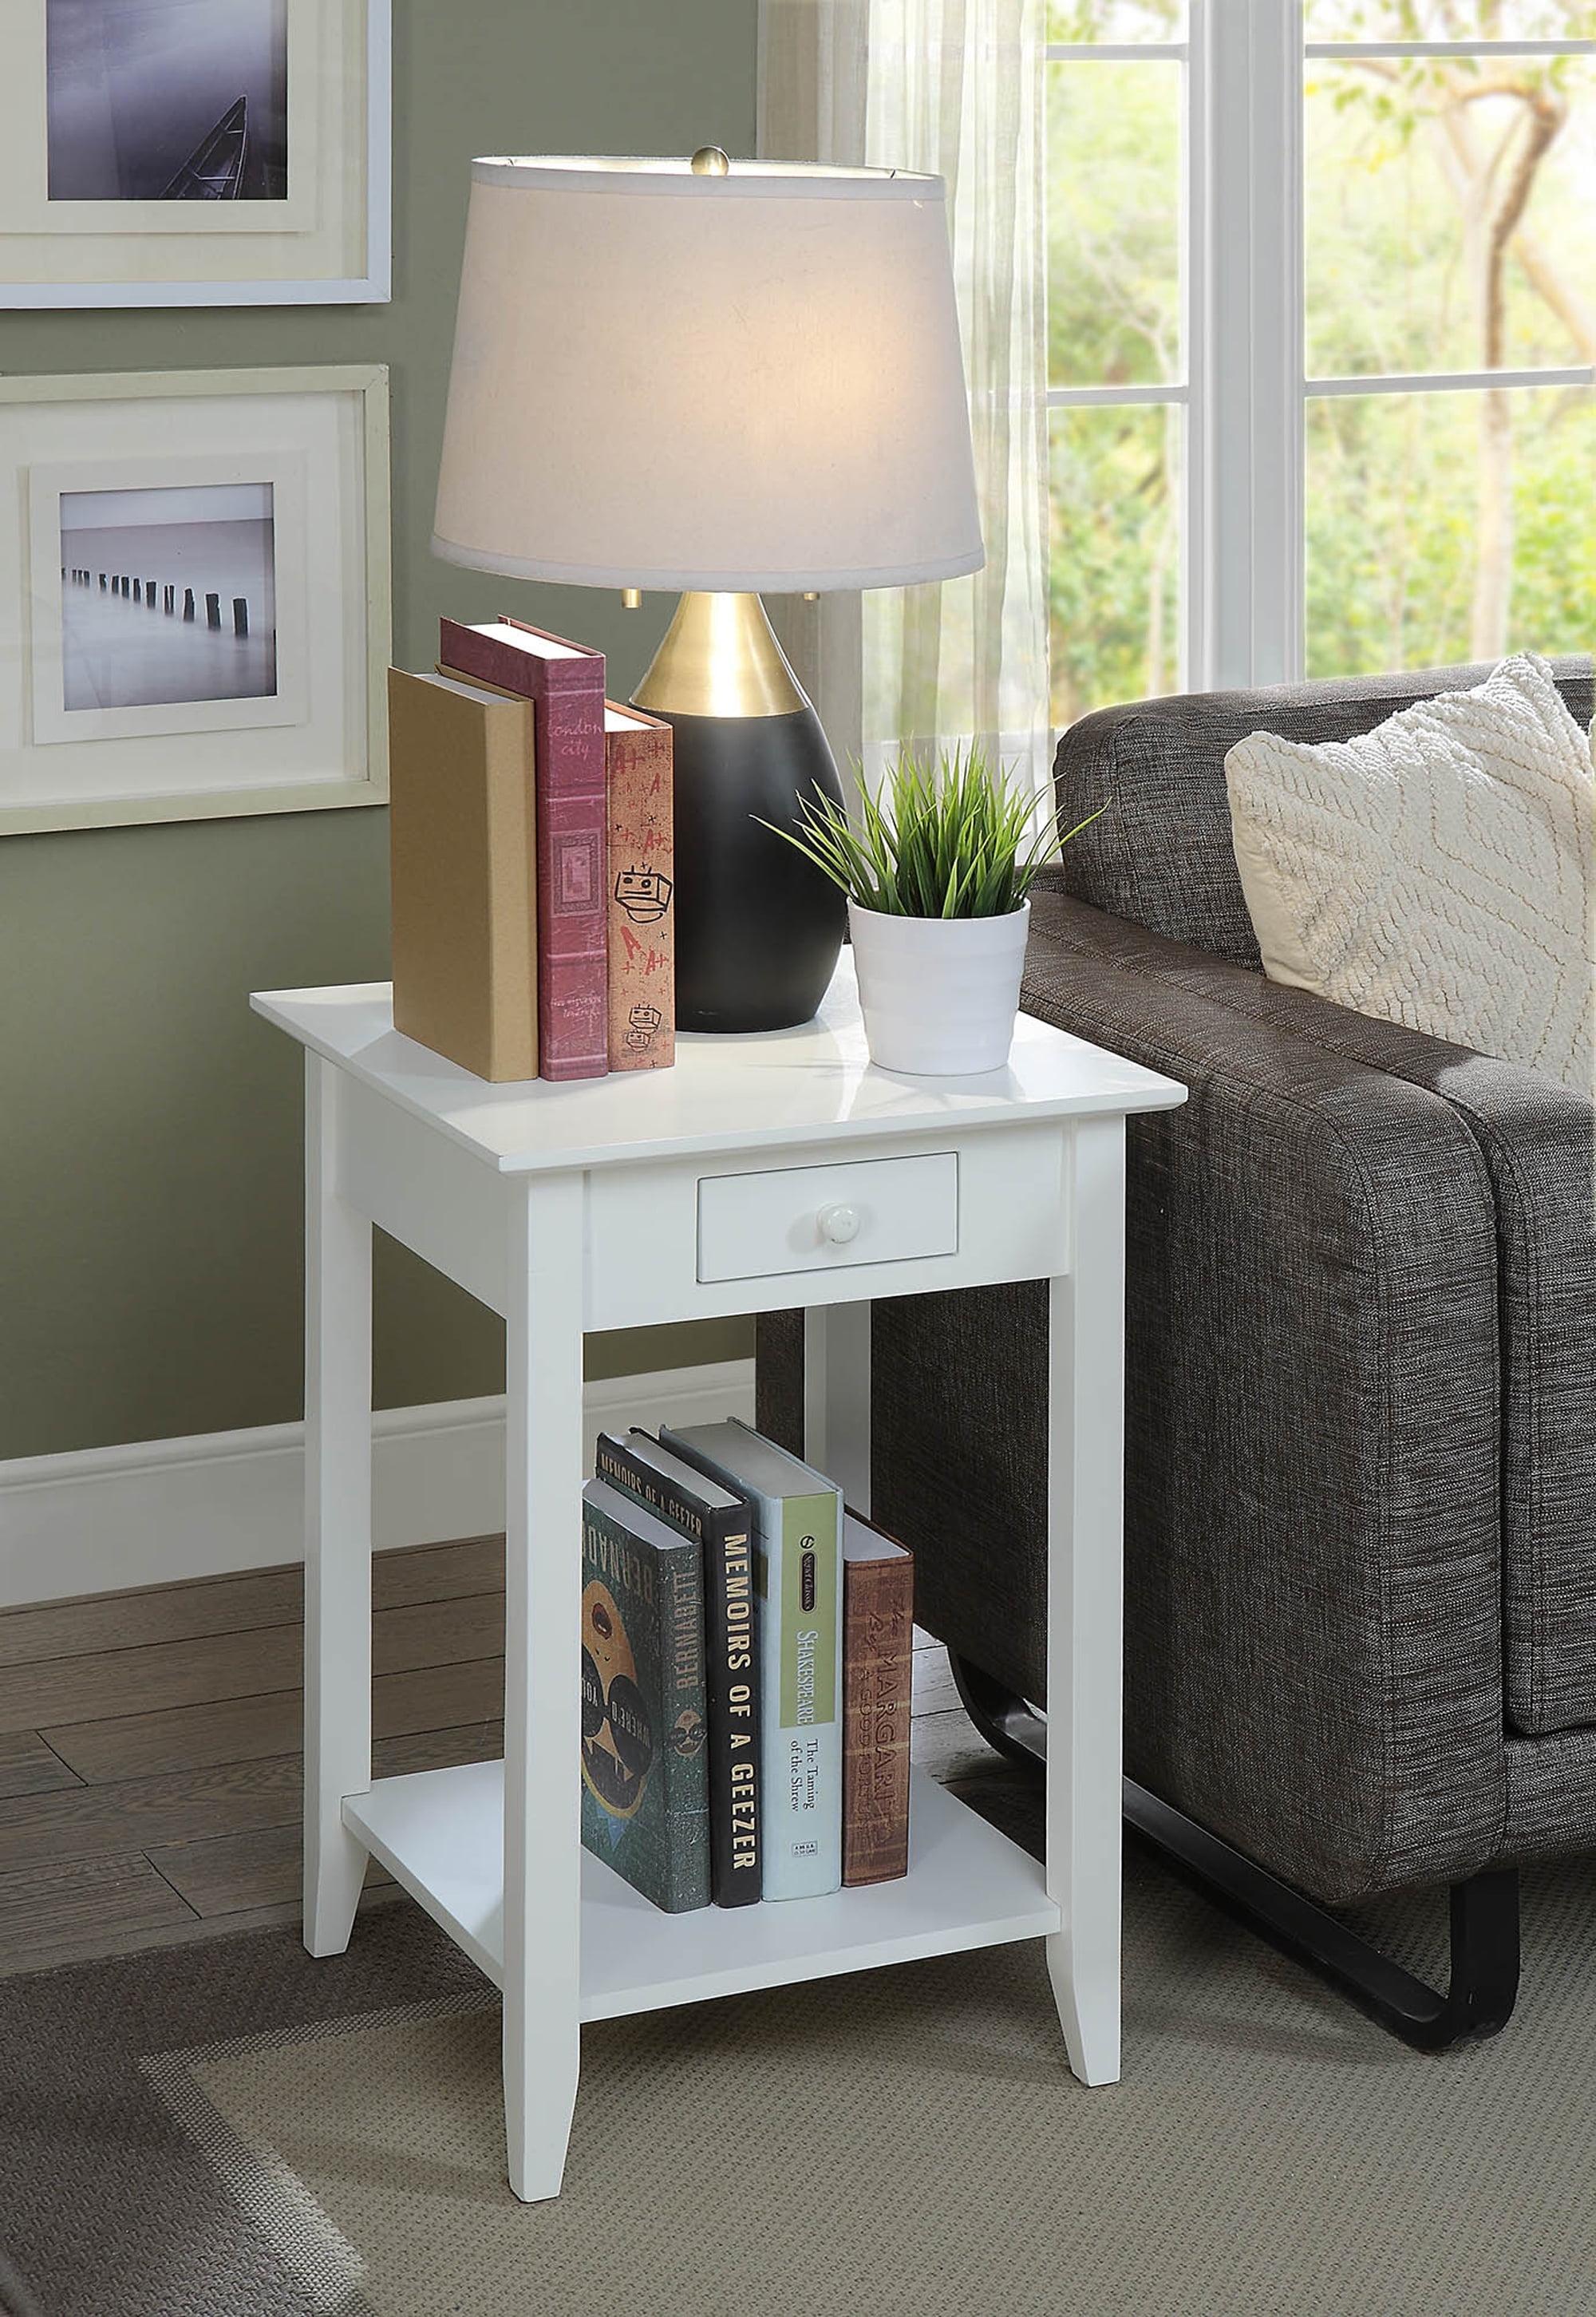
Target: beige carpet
{"points": [[908, 2144]]}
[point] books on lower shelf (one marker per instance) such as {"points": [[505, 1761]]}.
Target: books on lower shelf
{"points": [[877, 1686], [532, 853], [805, 1638], [717, 1520], [798, 1520], [645, 1802]]}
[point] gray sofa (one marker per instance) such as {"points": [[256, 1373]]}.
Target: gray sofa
{"points": [[1360, 1488]]}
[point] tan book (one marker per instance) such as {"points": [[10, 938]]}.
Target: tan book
{"points": [[460, 840], [642, 889]]}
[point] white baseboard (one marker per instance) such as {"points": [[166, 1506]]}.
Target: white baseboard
{"points": [[98, 1520]]}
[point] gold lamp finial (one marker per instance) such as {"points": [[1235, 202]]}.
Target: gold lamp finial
{"points": [[709, 161]]}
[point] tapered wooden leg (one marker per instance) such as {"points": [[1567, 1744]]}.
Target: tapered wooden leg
{"points": [[1085, 1615], [544, 1466], [837, 1397], [337, 1525]]}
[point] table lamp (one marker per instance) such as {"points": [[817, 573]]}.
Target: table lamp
{"points": [[718, 377]]}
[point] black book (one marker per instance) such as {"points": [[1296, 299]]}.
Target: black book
{"points": [[719, 1520]]}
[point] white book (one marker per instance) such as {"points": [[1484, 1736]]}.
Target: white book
{"points": [[797, 1525]]}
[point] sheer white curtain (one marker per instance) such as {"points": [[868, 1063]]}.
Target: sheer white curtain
{"points": [[954, 87]]}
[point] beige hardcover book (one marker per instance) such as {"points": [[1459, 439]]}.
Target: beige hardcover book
{"points": [[460, 838]]}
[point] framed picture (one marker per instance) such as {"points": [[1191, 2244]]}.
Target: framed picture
{"points": [[194, 152], [194, 613]]}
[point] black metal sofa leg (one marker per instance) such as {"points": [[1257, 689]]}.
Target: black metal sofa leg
{"points": [[1484, 1909]]}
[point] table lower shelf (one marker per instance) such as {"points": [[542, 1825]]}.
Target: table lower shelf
{"points": [[440, 1834]]}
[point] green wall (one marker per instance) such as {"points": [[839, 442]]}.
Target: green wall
{"points": [[150, 1156]]}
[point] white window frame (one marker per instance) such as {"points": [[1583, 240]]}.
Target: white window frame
{"points": [[1251, 611], [1191, 395], [1247, 391]]}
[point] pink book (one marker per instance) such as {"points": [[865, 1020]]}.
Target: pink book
{"points": [[564, 683], [642, 892]]}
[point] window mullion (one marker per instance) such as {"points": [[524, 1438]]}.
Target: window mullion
{"points": [[1457, 381], [1342, 52], [1196, 669], [1115, 398], [1116, 52], [1254, 626]]}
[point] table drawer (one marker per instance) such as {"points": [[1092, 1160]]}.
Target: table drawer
{"points": [[796, 1219]]}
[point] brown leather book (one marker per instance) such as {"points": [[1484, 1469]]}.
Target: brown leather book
{"points": [[460, 848], [642, 891], [565, 682], [877, 1671]]}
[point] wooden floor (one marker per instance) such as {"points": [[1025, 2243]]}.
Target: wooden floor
{"points": [[149, 1742]]}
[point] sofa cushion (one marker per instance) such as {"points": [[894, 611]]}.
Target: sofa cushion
{"points": [[1436, 871], [1163, 856]]}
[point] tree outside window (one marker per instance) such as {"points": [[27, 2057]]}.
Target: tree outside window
{"points": [[1449, 420]]}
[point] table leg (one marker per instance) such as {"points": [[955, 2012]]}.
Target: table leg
{"points": [[1086, 1618], [544, 1464], [337, 1522], [837, 1397]]}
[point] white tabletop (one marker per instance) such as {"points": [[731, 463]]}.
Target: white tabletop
{"points": [[812, 1085]]}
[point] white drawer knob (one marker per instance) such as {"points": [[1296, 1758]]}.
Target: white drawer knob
{"points": [[838, 1224]]}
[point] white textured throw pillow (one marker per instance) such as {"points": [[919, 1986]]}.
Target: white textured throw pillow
{"points": [[1437, 872]]}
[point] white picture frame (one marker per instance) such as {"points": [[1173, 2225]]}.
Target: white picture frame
{"points": [[115, 709], [325, 240]]}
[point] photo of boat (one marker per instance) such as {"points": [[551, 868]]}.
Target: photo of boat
{"points": [[214, 170], [167, 100]]}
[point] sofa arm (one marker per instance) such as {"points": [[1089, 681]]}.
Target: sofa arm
{"points": [[1536, 1140], [1314, 1648]]}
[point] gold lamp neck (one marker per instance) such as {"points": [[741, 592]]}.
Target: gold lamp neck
{"points": [[719, 657]]}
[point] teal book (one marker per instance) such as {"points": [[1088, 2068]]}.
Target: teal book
{"points": [[645, 1756], [718, 1518], [797, 1523]]}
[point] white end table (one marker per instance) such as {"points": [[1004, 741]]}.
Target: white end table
{"points": [[759, 1173]]}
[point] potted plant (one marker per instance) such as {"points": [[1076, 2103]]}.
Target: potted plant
{"points": [[938, 871]]}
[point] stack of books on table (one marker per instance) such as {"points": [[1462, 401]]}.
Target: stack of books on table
{"points": [[746, 1657], [533, 870]]}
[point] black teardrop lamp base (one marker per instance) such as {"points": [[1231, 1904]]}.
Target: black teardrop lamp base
{"points": [[759, 929]]}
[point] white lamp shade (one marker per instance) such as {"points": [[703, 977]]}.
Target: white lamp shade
{"points": [[749, 381]]}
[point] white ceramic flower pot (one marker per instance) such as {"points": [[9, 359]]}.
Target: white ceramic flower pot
{"points": [[938, 994]]}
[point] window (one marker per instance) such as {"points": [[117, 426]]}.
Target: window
{"points": [[1449, 310], [1120, 342], [1321, 338]]}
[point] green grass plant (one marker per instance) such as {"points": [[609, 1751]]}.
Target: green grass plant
{"points": [[949, 838]]}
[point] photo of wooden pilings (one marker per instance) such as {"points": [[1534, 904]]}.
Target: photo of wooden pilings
{"points": [[168, 594], [120, 584]]}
